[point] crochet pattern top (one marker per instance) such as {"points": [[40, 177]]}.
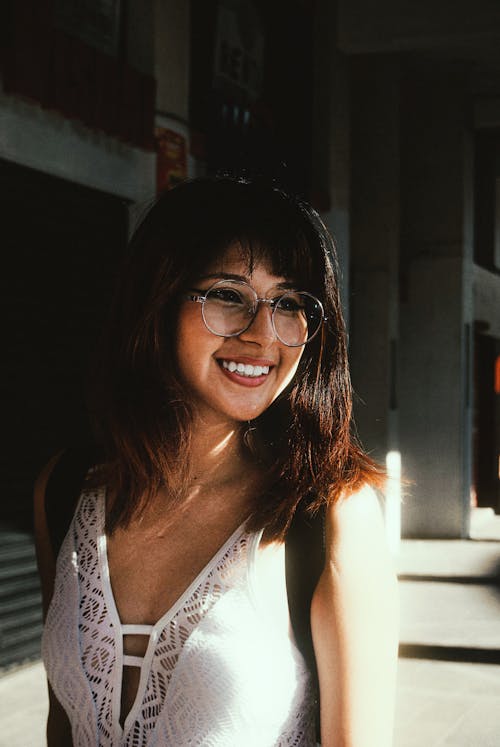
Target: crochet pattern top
{"points": [[216, 671]]}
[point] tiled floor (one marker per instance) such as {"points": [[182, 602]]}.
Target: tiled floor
{"points": [[445, 704], [23, 707], [441, 703], [462, 615]]}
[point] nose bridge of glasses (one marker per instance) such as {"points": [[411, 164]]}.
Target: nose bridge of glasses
{"points": [[262, 317], [253, 305], [270, 302], [269, 306]]}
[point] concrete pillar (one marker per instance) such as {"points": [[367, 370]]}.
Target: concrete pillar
{"points": [[331, 138], [436, 309], [375, 250]]}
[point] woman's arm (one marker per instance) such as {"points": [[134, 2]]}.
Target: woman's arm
{"points": [[44, 554], [58, 726], [355, 620]]}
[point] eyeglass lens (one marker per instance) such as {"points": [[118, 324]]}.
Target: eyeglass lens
{"points": [[229, 309]]}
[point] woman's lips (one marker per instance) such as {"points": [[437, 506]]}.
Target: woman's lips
{"points": [[250, 372]]}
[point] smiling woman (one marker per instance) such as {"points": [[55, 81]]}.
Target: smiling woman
{"points": [[222, 404], [220, 365], [194, 233]]}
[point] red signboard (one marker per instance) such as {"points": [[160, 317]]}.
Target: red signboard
{"points": [[171, 162], [60, 72]]}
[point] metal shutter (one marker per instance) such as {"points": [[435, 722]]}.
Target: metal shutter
{"points": [[20, 599]]}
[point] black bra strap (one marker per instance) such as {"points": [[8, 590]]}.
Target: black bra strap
{"points": [[304, 560], [63, 490]]}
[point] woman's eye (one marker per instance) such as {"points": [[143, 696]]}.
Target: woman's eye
{"points": [[225, 295], [290, 304]]}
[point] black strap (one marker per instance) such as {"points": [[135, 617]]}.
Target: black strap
{"points": [[304, 561], [63, 490]]}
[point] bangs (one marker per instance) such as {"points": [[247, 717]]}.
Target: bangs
{"points": [[290, 261], [266, 227], [191, 227]]}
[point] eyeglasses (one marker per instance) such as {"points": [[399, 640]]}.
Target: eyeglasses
{"points": [[229, 307]]}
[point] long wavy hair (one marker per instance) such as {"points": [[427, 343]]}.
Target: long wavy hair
{"points": [[139, 406]]}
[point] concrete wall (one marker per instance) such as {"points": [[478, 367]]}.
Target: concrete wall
{"points": [[390, 25], [375, 249], [394, 151], [47, 142], [436, 310], [412, 288], [487, 300], [331, 151], [432, 395]]}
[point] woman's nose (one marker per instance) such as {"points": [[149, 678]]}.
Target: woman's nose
{"points": [[261, 329]]}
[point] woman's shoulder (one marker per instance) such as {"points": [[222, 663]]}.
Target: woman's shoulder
{"points": [[39, 495], [55, 498], [358, 561], [355, 523], [354, 619], [44, 551]]}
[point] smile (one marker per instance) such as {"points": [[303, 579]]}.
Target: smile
{"points": [[245, 369]]}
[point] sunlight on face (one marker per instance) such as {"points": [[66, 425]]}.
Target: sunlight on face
{"points": [[234, 378]]}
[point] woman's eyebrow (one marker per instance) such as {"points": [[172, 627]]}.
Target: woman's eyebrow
{"points": [[284, 285]]}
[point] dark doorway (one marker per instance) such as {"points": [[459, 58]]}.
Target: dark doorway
{"points": [[486, 422], [61, 247]]}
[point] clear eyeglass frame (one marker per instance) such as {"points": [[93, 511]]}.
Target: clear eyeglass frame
{"points": [[200, 296]]}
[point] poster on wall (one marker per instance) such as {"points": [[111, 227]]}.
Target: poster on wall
{"points": [[171, 158]]}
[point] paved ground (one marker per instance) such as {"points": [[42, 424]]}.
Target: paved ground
{"points": [[450, 608], [450, 605], [23, 707]]}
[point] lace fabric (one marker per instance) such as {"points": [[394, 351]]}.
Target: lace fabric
{"points": [[215, 672]]}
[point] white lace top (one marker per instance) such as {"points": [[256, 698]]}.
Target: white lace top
{"points": [[216, 672]]}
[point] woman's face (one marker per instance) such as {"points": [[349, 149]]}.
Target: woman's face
{"points": [[204, 359]]}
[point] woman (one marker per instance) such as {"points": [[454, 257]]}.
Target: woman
{"points": [[222, 402]]}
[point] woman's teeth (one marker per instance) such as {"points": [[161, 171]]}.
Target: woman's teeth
{"points": [[245, 369]]}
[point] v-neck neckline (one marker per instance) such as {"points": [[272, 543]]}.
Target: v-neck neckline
{"points": [[159, 625]]}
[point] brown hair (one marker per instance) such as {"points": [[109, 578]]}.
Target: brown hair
{"points": [[141, 414]]}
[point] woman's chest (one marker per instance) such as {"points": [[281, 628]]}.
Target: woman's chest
{"points": [[150, 571], [220, 654]]}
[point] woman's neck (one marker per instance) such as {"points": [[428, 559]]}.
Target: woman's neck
{"points": [[221, 483], [217, 454]]}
